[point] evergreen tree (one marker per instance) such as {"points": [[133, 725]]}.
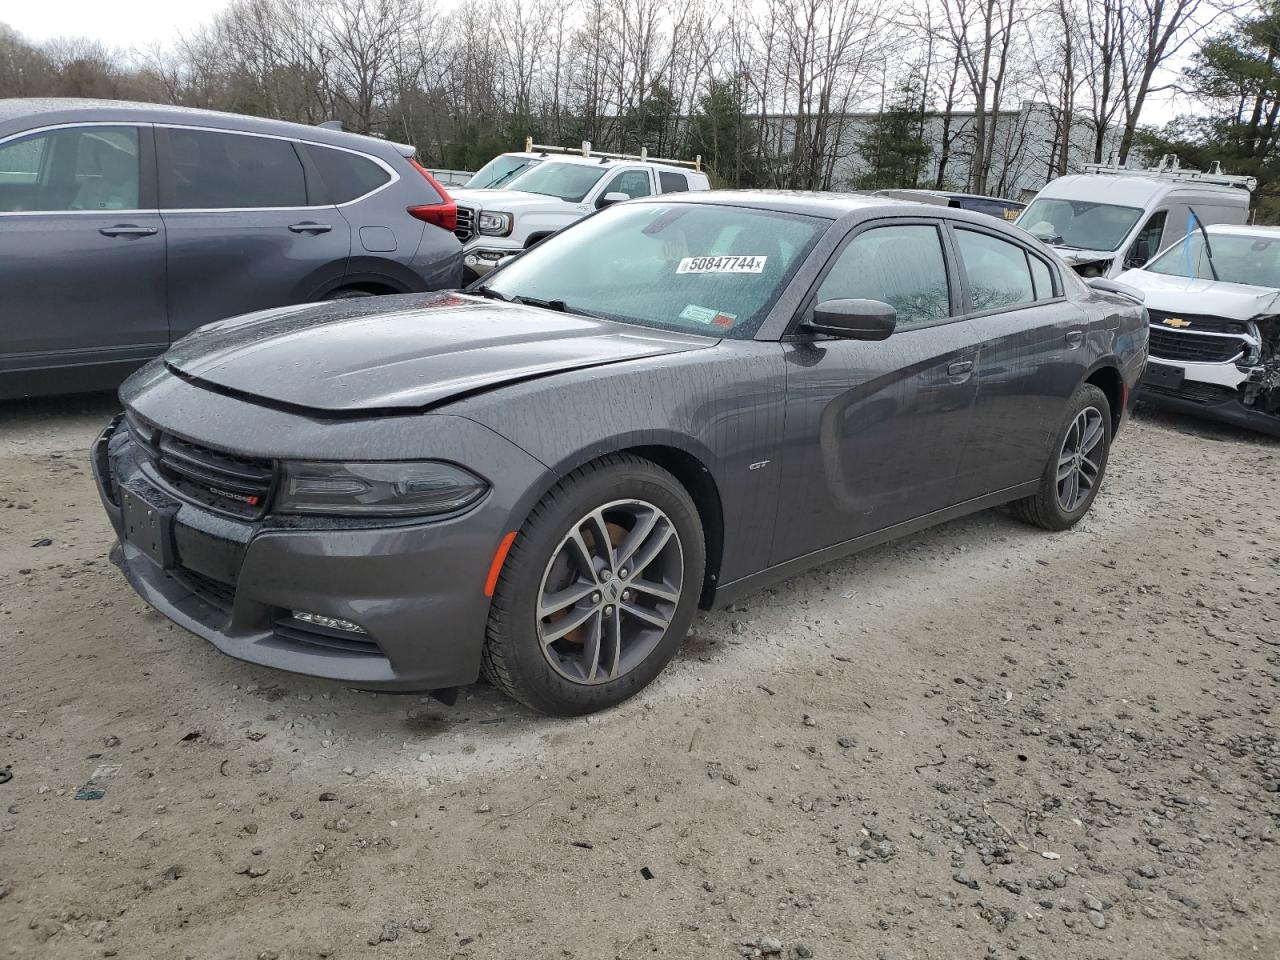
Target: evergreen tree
{"points": [[893, 146]]}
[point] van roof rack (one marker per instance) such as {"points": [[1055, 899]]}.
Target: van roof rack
{"points": [[586, 151], [1170, 168]]}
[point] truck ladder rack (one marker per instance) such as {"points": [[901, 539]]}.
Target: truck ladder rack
{"points": [[586, 151]]}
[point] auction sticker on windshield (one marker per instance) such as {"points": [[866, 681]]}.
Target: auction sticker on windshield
{"points": [[734, 264]]}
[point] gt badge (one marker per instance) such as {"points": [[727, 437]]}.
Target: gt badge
{"points": [[1175, 322]]}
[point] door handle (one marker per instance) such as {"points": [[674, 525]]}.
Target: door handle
{"points": [[1075, 338], [129, 230], [310, 227], [960, 370]]}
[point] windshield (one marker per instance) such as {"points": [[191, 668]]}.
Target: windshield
{"points": [[500, 171], [691, 267], [568, 181], [1237, 258], [1079, 223]]}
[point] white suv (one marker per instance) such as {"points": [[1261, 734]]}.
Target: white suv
{"points": [[552, 188]]}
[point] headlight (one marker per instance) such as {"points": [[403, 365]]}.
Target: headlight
{"points": [[494, 224], [396, 489]]}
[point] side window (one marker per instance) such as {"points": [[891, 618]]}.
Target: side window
{"points": [[997, 269], [901, 265], [217, 171], [346, 175], [1147, 243], [634, 183], [1043, 277], [76, 168], [673, 182]]}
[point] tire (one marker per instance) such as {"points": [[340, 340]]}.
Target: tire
{"points": [[1046, 507], [547, 562], [349, 294]]}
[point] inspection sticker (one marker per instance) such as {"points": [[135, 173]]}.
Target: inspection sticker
{"points": [[734, 264], [697, 314]]}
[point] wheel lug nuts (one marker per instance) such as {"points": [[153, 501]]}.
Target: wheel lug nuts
{"points": [[595, 597], [626, 594], [622, 572], [608, 611]]}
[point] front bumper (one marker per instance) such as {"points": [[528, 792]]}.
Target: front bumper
{"points": [[1208, 390], [416, 588]]}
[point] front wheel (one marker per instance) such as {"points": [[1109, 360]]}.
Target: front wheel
{"points": [[1075, 470], [598, 589]]}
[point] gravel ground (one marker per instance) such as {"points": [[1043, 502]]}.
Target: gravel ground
{"points": [[981, 741]]}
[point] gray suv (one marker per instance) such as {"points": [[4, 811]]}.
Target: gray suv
{"points": [[124, 226]]}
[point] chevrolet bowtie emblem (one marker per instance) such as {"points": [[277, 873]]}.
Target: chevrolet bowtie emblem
{"points": [[1176, 322]]}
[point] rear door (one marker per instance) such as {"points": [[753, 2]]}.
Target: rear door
{"points": [[1032, 358], [874, 430], [247, 229], [82, 253]]}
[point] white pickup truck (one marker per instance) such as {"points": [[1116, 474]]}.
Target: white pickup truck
{"points": [[517, 199]]}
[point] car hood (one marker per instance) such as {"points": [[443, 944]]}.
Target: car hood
{"points": [[1215, 298], [382, 354], [1074, 258], [507, 200]]}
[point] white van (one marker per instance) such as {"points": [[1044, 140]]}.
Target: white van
{"points": [[1111, 219]]}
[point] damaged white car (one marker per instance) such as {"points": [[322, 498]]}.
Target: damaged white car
{"points": [[1214, 303]]}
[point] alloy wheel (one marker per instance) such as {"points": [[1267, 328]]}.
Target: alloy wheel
{"points": [[1078, 461], [609, 591]]}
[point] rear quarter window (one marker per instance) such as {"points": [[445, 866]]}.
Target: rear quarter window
{"points": [[673, 182], [346, 175]]}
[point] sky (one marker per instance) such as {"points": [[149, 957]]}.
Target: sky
{"points": [[130, 24], [117, 23]]}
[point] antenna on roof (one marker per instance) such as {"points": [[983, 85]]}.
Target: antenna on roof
{"points": [[330, 125]]}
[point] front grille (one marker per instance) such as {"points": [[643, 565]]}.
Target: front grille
{"points": [[215, 593], [298, 631], [1167, 344], [1196, 323], [240, 486], [1202, 393], [465, 228]]}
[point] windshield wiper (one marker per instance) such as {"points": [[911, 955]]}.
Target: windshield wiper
{"points": [[559, 305], [492, 294], [1208, 247]]}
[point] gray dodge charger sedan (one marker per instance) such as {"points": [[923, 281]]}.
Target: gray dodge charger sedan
{"points": [[671, 403]]}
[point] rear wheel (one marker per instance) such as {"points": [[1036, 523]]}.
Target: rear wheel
{"points": [[349, 294], [1075, 470], [598, 589]]}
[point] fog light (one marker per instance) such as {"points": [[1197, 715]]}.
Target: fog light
{"points": [[331, 623]]}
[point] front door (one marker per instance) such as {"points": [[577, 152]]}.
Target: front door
{"points": [[874, 430], [82, 256], [243, 234]]}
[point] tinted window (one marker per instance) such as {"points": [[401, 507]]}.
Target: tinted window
{"points": [[1147, 243], [902, 266], [81, 168], [346, 175], [1043, 278], [213, 171], [634, 183], [998, 272], [673, 182], [699, 268]]}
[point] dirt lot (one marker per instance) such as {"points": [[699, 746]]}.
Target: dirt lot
{"points": [[982, 741]]}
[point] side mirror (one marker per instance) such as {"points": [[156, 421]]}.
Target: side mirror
{"points": [[853, 319], [609, 199]]}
